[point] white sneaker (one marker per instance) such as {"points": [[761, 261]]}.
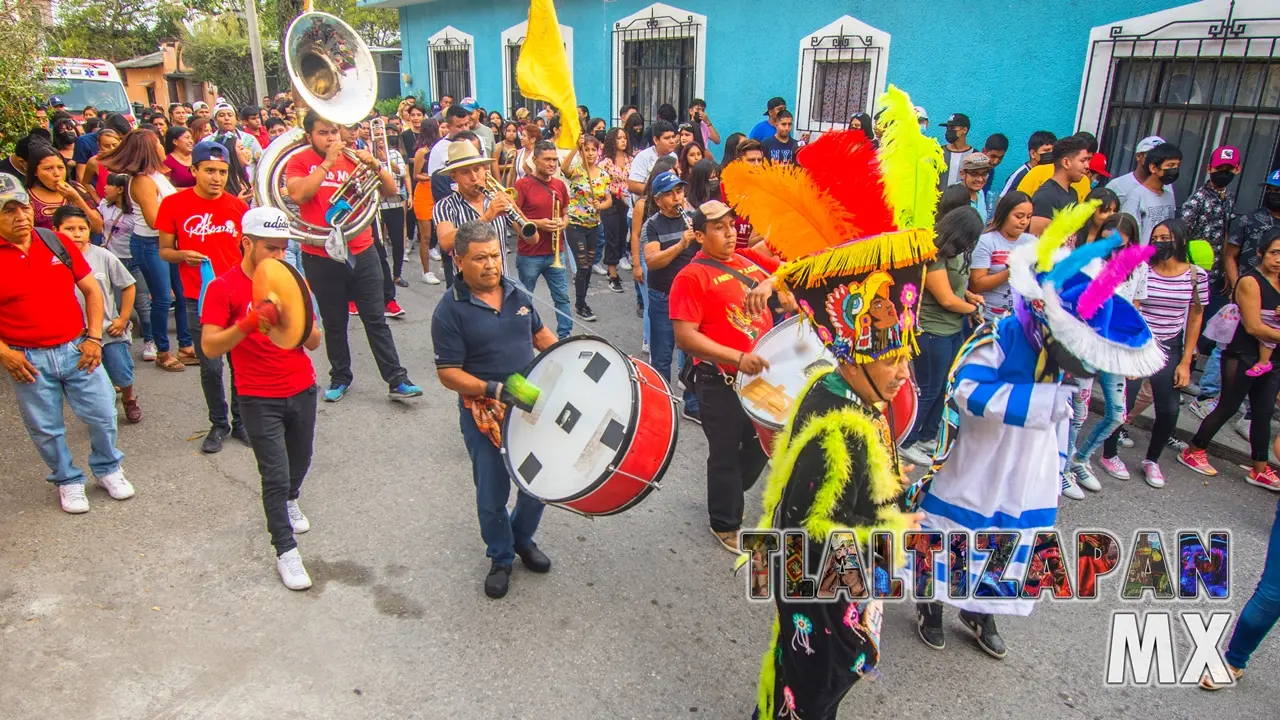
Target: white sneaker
{"points": [[624, 262], [292, 573], [1069, 486], [599, 269], [148, 351], [435, 253], [1085, 478], [116, 485], [430, 278], [918, 454], [1241, 427], [73, 498], [299, 521]]}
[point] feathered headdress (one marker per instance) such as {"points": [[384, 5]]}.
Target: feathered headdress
{"points": [[1083, 314], [855, 227]]}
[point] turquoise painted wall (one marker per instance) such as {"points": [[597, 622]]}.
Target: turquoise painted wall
{"points": [[1012, 66]]}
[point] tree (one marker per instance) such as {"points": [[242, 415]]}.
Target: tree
{"points": [[378, 27], [114, 29], [217, 49], [22, 65]]}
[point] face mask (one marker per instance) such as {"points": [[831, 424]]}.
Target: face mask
{"points": [[951, 135], [713, 189], [1164, 251], [600, 135], [1169, 177], [1271, 201], [1221, 178]]}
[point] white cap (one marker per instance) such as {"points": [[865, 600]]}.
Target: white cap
{"points": [[1147, 144], [921, 114], [266, 222]]}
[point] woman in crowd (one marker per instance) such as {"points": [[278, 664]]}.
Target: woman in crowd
{"points": [[238, 158], [117, 230], [423, 202], [1257, 294], [597, 127], [161, 124], [505, 153], [634, 127], [1109, 205], [63, 127], [615, 162], [945, 304], [863, 122], [94, 174], [495, 122], [955, 196], [199, 129], [989, 271], [690, 155], [530, 134], [588, 196], [731, 149], [49, 190], [141, 158], [704, 182], [177, 157], [1177, 292]]}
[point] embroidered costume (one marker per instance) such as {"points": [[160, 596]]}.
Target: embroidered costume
{"points": [[835, 467]]}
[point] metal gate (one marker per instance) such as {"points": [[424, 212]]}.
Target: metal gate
{"points": [[659, 63], [836, 77], [451, 65], [1196, 83], [516, 100]]}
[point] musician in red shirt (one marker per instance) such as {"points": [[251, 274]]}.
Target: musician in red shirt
{"points": [[277, 387], [718, 305], [197, 225], [312, 176]]}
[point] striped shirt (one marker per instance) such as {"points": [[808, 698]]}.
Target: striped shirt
{"points": [[455, 210], [1169, 300]]}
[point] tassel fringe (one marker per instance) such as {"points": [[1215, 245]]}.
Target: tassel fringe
{"points": [[891, 250]]}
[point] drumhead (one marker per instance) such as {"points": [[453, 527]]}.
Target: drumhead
{"points": [[582, 423], [794, 353]]}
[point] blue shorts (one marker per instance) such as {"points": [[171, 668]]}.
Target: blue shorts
{"points": [[118, 363]]}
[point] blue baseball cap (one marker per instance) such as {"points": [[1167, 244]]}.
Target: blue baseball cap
{"points": [[209, 150], [56, 101], [666, 182], [1274, 178]]}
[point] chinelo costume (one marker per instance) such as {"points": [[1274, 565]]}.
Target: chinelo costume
{"points": [[835, 467], [1004, 437]]}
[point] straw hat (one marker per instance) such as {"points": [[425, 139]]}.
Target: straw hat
{"points": [[463, 153]]}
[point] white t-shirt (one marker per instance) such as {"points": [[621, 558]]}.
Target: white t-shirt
{"points": [[1149, 208], [439, 155], [992, 254], [1123, 185], [642, 164]]}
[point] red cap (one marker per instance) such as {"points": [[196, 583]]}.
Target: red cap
{"points": [[1225, 155], [1098, 164]]}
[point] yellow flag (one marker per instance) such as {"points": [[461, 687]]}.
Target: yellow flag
{"points": [[543, 71]]}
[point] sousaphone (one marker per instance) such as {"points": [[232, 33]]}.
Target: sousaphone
{"points": [[279, 282]]}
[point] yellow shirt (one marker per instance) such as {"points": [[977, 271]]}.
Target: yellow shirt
{"points": [[1036, 176]]}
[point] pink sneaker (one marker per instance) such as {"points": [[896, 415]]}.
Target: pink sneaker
{"points": [[1265, 479], [1115, 467], [1152, 474], [1259, 369], [1197, 461]]}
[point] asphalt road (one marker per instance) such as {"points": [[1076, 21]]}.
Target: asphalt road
{"points": [[169, 606]]}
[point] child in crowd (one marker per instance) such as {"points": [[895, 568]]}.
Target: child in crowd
{"points": [[114, 279]]}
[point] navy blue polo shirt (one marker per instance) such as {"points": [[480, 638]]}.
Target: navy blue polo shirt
{"points": [[467, 333]]}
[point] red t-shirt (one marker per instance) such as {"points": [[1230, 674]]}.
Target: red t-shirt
{"points": [[313, 210], [715, 299], [263, 137], [262, 369], [535, 202], [210, 227], [38, 306]]}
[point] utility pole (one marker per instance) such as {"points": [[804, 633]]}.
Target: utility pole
{"points": [[255, 51]]}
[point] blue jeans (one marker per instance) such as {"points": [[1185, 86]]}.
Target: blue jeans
{"points": [[118, 363], [1112, 387], [141, 298], [293, 256], [91, 399], [530, 268], [932, 365], [502, 533], [662, 344], [1211, 378], [160, 277], [1263, 608]]}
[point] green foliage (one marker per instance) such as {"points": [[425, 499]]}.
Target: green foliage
{"points": [[22, 56], [114, 29], [218, 51]]}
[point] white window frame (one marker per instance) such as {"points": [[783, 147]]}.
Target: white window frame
{"points": [[864, 38], [452, 33], [663, 15], [516, 32]]}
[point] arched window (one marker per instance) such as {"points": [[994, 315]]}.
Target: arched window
{"points": [[842, 71], [659, 56], [451, 55]]}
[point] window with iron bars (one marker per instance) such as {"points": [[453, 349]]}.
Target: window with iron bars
{"points": [[839, 90], [659, 65], [452, 65]]}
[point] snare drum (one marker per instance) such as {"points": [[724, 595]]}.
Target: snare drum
{"points": [[795, 353], [600, 436]]}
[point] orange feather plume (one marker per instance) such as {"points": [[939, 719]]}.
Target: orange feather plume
{"points": [[845, 164], [795, 216]]}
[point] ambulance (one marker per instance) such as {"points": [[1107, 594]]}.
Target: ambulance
{"points": [[78, 82]]}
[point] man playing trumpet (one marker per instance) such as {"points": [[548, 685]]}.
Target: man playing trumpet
{"points": [[544, 199], [474, 199]]}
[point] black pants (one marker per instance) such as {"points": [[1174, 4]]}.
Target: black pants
{"points": [[1236, 386], [615, 232], [388, 280], [734, 456], [281, 431], [1164, 398], [393, 222], [577, 236], [333, 283], [215, 396]]}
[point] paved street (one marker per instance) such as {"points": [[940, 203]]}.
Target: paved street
{"points": [[169, 606]]}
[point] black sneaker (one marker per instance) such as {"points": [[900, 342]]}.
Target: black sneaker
{"points": [[495, 585], [984, 631], [583, 311], [639, 311], [694, 415], [242, 435], [213, 440], [533, 558], [615, 284], [929, 624]]}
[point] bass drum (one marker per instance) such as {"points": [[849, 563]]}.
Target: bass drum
{"points": [[601, 434]]}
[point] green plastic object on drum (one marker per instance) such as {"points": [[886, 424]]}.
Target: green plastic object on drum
{"points": [[1201, 253], [524, 392]]}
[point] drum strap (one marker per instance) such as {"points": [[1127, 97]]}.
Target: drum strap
{"points": [[750, 282]]}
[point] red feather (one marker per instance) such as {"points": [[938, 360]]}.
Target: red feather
{"points": [[844, 163]]}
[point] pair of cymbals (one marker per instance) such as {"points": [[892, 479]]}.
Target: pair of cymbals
{"points": [[279, 282]]}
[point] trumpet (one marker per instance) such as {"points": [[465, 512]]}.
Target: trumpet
{"points": [[555, 234], [379, 145], [492, 188]]}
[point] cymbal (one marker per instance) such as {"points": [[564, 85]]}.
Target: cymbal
{"points": [[279, 282]]}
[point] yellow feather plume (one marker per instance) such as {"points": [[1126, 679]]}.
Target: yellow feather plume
{"points": [[795, 216], [1066, 222], [909, 162]]}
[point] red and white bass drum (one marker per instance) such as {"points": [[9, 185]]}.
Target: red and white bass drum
{"points": [[795, 353], [601, 434]]}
